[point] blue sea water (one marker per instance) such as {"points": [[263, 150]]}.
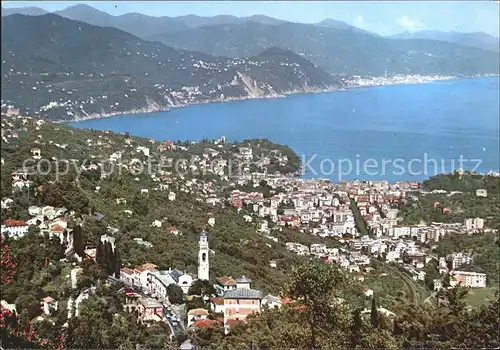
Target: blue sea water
{"points": [[394, 133]]}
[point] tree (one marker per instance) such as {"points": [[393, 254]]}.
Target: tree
{"points": [[203, 288], [78, 240], [175, 294], [374, 313], [7, 265], [312, 285], [118, 265], [195, 303], [455, 298], [356, 329], [100, 254]]}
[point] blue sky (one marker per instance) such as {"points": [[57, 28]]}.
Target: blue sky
{"points": [[385, 18]]}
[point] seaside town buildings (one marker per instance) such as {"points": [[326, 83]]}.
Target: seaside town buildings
{"points": [[315, 207]]}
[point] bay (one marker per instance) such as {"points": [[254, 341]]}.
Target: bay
{"points": [[394, 133]]}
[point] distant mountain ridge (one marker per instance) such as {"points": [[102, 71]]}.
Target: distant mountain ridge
{"points": [[62, 69], [336, 24], [338, 51], [28, 11], [139, 24], [147, 27], [478, 40]]}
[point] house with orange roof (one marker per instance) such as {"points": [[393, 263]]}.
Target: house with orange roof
{"points": [[224, 284], [194, 315], [149, 267], [49, 305], [173, 230], [204, 323], [150, 309], [14, 228], [241, 302]]}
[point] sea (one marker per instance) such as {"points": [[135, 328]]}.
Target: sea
{"points": [[393, 133]]}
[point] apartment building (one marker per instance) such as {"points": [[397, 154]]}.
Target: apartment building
{"points": [[470, 279]]}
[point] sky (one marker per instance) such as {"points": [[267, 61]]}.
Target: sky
{"points": [[382, 17]]}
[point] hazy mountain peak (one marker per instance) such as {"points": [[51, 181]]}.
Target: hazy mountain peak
{"points": [[275, 50], [339, 25], [476, 39], [265, 19], [28, 11], [82, 7], [84, 13]]}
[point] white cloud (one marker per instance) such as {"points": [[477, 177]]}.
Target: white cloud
{"points": [[359, 22], [410, 24]]}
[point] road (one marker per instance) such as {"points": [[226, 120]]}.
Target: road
{"points": [[430, 297], [167, 307], [414, 295]]}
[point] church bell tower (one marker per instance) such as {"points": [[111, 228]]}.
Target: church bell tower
{"points": [[203, 266]]}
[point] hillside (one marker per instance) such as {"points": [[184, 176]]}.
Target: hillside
{"points": [[134, 208], [337, 50], [63, 69], [236, 243], [478, 40]]}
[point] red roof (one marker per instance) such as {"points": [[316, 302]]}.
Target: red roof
{"points": [[204, 323], [218, 301], [171, 229], [57, 228], [226, 281], [130, 293], [12, 223]]}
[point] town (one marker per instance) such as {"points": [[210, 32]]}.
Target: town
{"points": [[356, 224]]}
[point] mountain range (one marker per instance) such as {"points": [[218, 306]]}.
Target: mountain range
{"points": [[145, 26], [479, 39], [335, 46], [138, 24], [337, 51], [59, 68]]}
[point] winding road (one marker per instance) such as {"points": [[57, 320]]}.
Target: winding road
{"points": [[413, 294]]}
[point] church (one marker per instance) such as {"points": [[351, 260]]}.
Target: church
{"points": [[203, 253]]}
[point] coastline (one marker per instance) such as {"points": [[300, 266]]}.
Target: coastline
{"points": [[154, 108]]}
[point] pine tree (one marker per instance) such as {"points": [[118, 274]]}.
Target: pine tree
{"points": [[112, 263], [356, 328], [117, 265], [374, 313], [108, 256], [78, 241], [100, 255]]}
